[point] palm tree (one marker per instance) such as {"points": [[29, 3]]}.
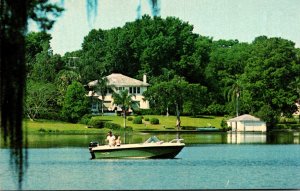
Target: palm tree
{"points": [[102, 87], [234, 93], [124, 100]]}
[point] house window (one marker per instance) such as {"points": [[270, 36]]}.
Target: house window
{"points": [[94, 106], [138, 90], [134, 90], [130, 90]]}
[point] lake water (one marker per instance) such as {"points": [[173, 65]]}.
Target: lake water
{"points": [[209, 161]]}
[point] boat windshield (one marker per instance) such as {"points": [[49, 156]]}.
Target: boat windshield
{"points": [[152, 139]]}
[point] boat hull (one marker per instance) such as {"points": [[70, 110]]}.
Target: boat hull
{"points": [[137, 151]]}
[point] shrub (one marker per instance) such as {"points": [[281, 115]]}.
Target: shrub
{"points": [[147, 119], [137, 120], [112, 126], [42, 130], [128, 128], [154, 121], [96, 123], [129, 118], [224, 125], [85, 119]]}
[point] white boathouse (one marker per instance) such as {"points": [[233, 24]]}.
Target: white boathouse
{"points": [[247, 122]]}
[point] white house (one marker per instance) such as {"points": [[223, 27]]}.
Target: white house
{"points": [[247, 123], [121, 82], [298, 108]]}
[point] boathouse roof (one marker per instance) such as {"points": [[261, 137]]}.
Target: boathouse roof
{"points": [[245, 117]]}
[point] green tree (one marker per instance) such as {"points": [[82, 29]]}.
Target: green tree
{"points": [[46, 65], [34, 44], [62, 80], [228, 59], [76, 103], [40, 97], [168, 96], [195, 99], [147, 46], [268, 76], [124, 100], [233, 94], [92, 56]]}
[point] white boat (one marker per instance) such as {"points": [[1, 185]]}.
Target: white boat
{"points": [[152, 148]]}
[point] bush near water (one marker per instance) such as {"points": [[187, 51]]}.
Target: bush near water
{"points": [[154, 121], [98, 123], [137, 120]]}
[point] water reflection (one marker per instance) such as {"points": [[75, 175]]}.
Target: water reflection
{"points": [[246, 137], [55, 141], [283, 138]]}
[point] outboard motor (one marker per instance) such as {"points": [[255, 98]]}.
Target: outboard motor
{"points": [[93, 144]]}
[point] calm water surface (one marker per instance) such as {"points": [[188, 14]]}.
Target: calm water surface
{"points": [[246, 161]]}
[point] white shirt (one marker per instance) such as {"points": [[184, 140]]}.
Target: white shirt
{"points": [[111, 140]]}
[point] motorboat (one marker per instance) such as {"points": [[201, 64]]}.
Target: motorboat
{"points": [[152, 148]]}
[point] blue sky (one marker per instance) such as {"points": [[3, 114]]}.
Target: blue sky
{"points": [[221, 19]]}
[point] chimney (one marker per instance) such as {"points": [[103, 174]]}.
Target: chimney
{"points": [[144, 78]]}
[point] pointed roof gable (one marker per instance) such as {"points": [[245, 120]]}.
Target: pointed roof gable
{"points": [[245, 117]]}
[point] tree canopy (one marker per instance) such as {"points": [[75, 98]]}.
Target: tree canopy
{"points": [[216, 77]]}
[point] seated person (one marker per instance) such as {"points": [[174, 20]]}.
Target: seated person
{"points": [[111, 139], [118, 141]]}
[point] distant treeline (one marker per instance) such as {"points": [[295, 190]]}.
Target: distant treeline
{"points": [[200, 75]]}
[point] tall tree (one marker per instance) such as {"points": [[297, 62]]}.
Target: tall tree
{"points": [[268, 76], [227, 60], [63, 79], [168, 95], [34, 44], [40, 97], [233, 94], [45, 65], [91, 60], [76, 103], [196, 99]]}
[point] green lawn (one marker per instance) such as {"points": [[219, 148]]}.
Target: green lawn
{"points": [[49, 126], [165, 124]]}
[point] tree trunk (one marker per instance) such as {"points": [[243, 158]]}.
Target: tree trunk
{"points": [[178, 117], [167, 111], [237, 104], [102, 108], [124, 119], [124, 126]]}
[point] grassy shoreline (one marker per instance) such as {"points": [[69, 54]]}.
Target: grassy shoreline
{"points": [[166, 124]]}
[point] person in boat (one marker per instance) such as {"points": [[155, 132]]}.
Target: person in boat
{"points": [[111, 139], [118, 141]]}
